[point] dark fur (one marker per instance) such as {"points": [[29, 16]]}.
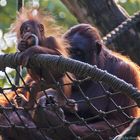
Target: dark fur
{"points": [[86, 46]]}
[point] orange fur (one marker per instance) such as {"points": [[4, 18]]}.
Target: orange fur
{"points": [[51, 29], [134, 67], [136, 73], [50, 26], [9, 95], [93, 34]]}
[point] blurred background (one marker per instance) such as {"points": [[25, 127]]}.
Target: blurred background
{"points": [[62, 15]]}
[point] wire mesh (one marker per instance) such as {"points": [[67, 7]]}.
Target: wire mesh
{"points": [[54, 115]]}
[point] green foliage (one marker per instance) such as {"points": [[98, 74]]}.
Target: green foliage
{"points": [[7, 14], [60, 12], [3, 80], [57, 9], [131, 6]]}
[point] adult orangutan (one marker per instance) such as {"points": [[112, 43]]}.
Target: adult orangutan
{"points": [[86, 46]]}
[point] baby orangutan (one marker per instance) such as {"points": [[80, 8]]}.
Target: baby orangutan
{"points": [[31, 28]]}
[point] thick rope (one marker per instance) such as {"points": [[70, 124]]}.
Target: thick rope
{"points": [[61, 64], [124, 26]]}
